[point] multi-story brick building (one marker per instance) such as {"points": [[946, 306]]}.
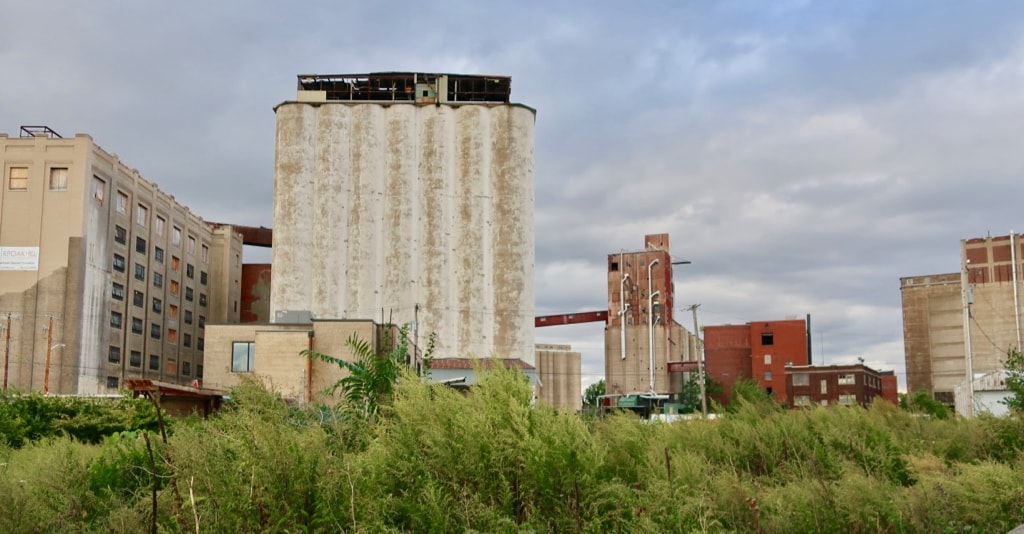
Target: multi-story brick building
{"points": [[843, 385], [759, 350], [103, 276]]}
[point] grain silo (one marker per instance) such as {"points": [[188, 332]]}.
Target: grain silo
{"points": [[409, 198]]}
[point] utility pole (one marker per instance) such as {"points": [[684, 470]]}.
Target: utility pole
{"points": [[700, 361], [7, 349], [49, 350]]}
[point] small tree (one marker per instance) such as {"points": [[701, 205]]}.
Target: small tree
{"points": [[1014, 365], [923, 403], [590, 396], [373, 374]]}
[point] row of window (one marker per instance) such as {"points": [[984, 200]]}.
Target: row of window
{"points": [[844, 400], [158, 281], [804, 379], [155, 330], [121, 235], [135, 360], [142, 219], [17, 179]]}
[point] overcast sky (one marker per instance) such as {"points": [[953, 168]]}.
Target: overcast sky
{"points": [[804, 155]]}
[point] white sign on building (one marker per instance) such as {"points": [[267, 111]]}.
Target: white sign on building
{"points": [[19, 258]]}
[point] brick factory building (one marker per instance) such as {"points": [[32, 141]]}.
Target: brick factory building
{"points": [[103, 277], [642, 337], [978, 307], [759, 350]]}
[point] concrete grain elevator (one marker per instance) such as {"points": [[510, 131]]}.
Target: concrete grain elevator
{"points": [[408, 197]]}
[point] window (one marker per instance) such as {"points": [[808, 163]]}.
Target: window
{"points": [[847, 399], [158, 280], [176, 235], [189, 294], [154, 362], [202, 322], [175, 263], [158, 305], [139, 299], [18, 179], [205, 253], [175, 287], [122, 202], [59, 179], [136, 325], [186, 368], [158, 228], [140, 245], [171, 367], [135, 360], [767, 359], [824, 402], [158, 254], [120, 235], [112, 382], [117, 291], [142, 215], [199, 370], [114, 356], [119, 263], [172, 335], [202, 301], [99, 189], [186, 340], [191, 245], [115, 320], [767, 338], [140, 272], [767, 376], [172, 311], [824, 386], [200, 344], [154, 332], [802, 400], [242, 353], [801, 379], [847, 380], [202, 277], [190, 271], [188, 316]]}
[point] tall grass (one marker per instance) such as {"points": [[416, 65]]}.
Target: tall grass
{"points": [[438, 461]]}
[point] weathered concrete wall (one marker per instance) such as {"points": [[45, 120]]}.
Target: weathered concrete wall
{"points": [[409, 212], [632, 375]]}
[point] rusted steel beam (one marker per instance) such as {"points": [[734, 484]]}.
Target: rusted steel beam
{"points": [[257, 236], [571, 318]]}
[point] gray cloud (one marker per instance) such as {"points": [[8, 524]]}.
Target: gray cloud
{"points": [[804, 155]]}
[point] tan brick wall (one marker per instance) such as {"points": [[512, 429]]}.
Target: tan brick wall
{"points": [[277, 362]]}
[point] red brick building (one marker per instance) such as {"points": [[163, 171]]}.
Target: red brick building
{"points": [[759, 350], [844, 385]]}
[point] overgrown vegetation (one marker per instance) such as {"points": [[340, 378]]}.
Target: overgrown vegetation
{"points": [[1014, 365], [437, 461], [31, 417]]}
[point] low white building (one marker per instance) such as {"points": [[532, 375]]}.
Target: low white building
{"points": [[989, 395]]}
